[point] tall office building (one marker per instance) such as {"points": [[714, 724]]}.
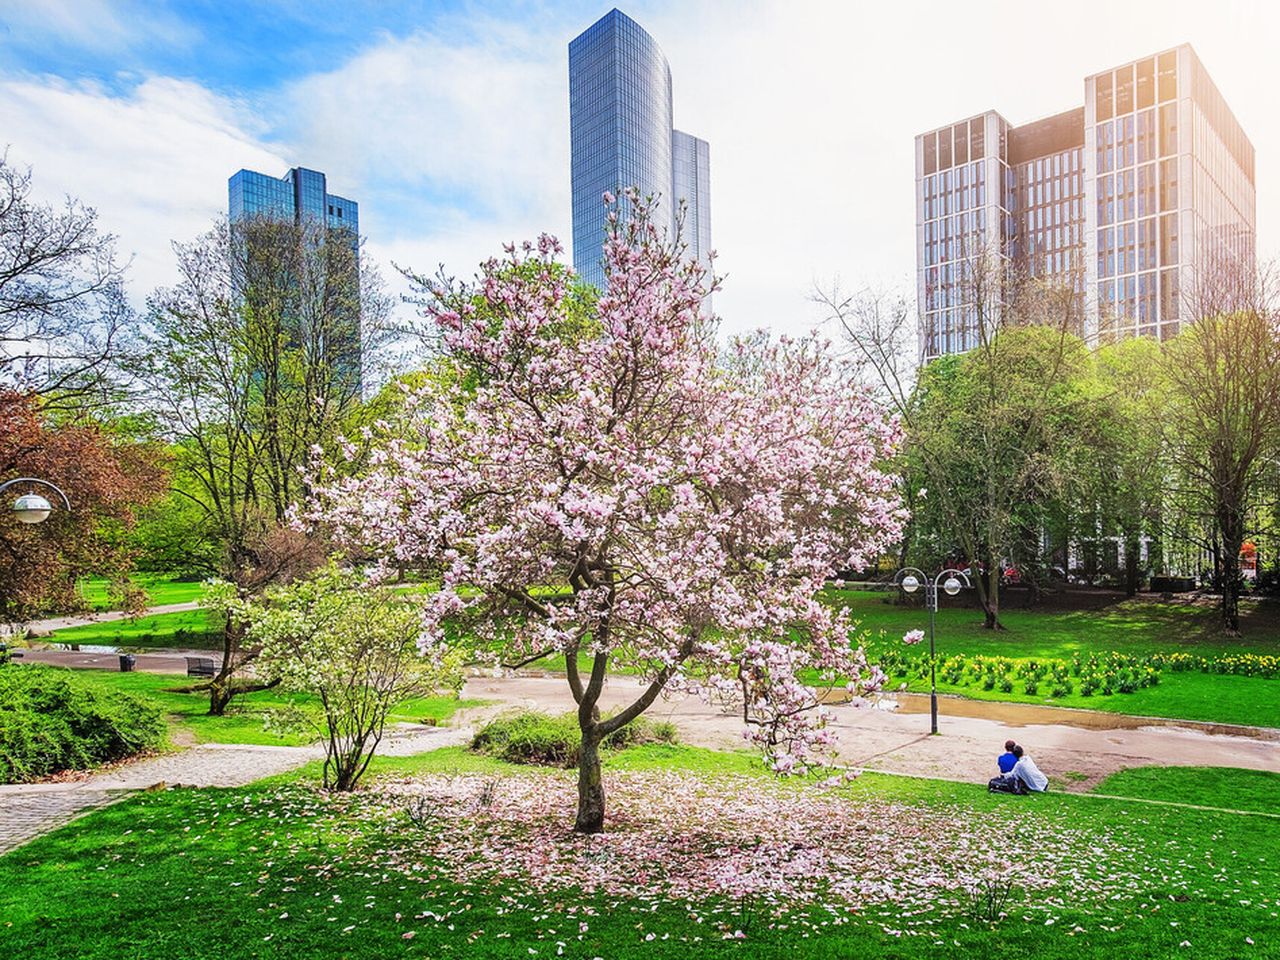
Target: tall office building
{"points": [[1121, 201], [621, 136], [301, 197]]}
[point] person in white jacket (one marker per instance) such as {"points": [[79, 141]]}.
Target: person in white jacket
{"points": [[1027, 772]]}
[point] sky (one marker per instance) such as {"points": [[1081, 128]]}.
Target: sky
{"points": [[448, 121]]}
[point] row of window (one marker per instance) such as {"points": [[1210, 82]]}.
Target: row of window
{"points": [[1147, 298], [1133, 138], [1138, 246], [959, 144], [1054, 165], [1139, 192], [1136, 85]]}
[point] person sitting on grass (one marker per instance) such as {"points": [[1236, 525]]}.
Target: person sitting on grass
{"points": [[1005, 781], [1027, 773], [1007, 759]]}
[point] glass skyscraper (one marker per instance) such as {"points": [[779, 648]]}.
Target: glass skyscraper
{"points": [[302, 197], [1120, 201], [621, 136], [299, 195]]}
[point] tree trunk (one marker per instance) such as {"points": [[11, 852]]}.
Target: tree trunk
{"points": [[1132, 553], [220, 694], [221, 689], [1230, 558], [590, 785], [992, 605]]}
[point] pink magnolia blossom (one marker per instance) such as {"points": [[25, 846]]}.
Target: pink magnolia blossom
{"points": [[913, 636], [631, 491]]}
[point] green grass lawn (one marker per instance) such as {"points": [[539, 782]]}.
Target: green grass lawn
{"points": [[193, 629], [265, 717], [278, 870], [1133, 627], [1136, 628], [161, 589], [1207, 786]]}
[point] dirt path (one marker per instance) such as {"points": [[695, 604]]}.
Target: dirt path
{"points": [[1076, 758]]}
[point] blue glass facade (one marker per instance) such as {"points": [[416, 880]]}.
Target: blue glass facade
{"points": [[302, 196], [621, 136], [691, 185]]}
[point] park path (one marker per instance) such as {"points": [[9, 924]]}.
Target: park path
{"points": [[30, 809], [1075, 756], [45, 627]]}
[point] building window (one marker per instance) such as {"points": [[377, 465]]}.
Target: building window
{"points": [[1168, 129], [1169, 184], [1102, 97], [1146, 83], [1169, 296], [1168, 239], [1168, 75]]}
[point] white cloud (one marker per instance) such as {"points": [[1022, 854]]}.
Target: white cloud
{"points": [[462, 135], [100, 25], [154, 162]]}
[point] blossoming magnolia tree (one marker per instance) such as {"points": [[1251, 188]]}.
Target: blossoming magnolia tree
{"points": [[626, 495]]}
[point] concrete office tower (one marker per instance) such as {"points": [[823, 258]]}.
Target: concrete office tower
{"points": [[621, 136], [1121, 200]]}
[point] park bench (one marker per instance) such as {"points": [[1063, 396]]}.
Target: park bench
{"points": [[201, 667]]}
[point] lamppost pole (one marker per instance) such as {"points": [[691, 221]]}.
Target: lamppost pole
{"points": [[931, 600], [911, 579]]}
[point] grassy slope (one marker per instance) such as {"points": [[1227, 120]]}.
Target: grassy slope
{"points": [[245, 722], [200, 631], [1206, 786], [1135, 627], [161, 589], [197, 874]]}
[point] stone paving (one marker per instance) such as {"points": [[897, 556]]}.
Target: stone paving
{"points": [[30, 809]]}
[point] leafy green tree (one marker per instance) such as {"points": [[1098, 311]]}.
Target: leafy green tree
{"points": [[986, 429], [353, 645], [1128, 439], [1224, 373]]}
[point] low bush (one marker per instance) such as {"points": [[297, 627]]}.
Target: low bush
{"points": [[50, 720], [537, 738]]}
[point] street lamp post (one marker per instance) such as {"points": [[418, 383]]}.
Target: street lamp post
{"points": [[911, 579], [31, 507]]}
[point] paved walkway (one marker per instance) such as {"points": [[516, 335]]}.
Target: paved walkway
{"points": [[155, 661], [44, 627], [28, 810], [899, 741]]}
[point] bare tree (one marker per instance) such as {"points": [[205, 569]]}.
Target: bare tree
{"points": [[1225, 373], [251, 363], [62, 303]]}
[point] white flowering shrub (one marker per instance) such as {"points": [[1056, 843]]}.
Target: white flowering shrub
{"points": [[355, 646]]}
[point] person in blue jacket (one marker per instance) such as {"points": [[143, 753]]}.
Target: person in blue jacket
{"points": [[1007, 760]]}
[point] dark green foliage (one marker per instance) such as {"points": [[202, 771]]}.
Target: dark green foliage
{"points": [[537, 738], [51, 720]]}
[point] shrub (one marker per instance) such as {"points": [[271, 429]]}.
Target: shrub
{"points": [[51, 720], [538, 738]]}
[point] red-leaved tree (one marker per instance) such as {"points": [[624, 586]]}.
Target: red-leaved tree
{"points": [[105, 477], [624, 493]]}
